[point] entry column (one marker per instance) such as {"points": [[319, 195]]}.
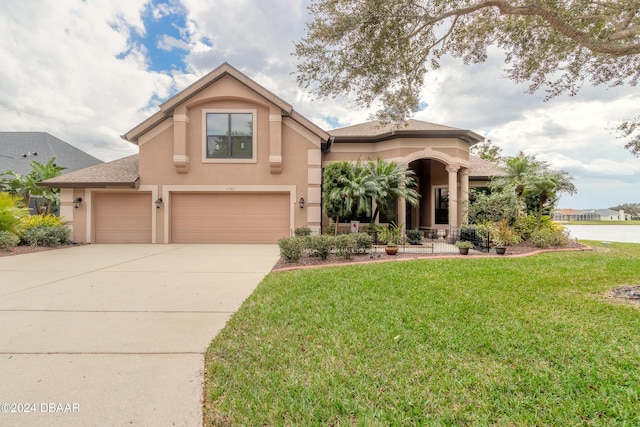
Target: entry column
{"points": [[453, 194], [464, 194]]}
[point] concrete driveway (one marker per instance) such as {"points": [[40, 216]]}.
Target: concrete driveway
{"points": [[116, 334]]}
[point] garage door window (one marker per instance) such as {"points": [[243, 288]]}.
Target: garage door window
{"points": [[229, 136]]}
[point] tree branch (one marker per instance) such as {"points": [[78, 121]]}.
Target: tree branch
{"points": [[608, 46]]}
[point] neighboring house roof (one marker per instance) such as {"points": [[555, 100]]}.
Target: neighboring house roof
{"points": [[483, 169], [19, 149], [377, 131], [118, 173], [606, 212], [569, 211], [167, 108]]}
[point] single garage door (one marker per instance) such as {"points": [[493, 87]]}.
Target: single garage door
{"points": [[122, 217], [229, 217]]}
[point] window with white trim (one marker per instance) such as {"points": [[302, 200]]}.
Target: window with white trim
{"points": [[229, 135]]}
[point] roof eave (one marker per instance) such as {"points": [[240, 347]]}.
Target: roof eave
{"points": [[166, 108], [121, 184], [133, 135], [91, 185], [215, 75], [465, 135], [308, 124]]}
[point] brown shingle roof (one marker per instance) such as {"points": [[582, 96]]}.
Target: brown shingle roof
{"points": [[479, 168], [118, 173], [376, 131], [377, 128]]}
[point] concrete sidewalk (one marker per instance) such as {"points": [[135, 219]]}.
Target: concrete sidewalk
{"points": [[115, 334]]}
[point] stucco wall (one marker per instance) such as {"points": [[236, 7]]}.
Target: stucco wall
{"points": [[299, 148]]}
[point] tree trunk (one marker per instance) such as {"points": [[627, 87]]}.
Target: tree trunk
{"points": [[375, 214]]}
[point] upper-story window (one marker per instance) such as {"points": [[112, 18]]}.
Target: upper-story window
{"points": [[229, 135]]}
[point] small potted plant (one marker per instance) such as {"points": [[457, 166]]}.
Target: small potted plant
{"points": [[464, 246], [502, 235], [392, 235]]}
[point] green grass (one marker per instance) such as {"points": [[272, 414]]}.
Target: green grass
{"points": [[494, 341]]}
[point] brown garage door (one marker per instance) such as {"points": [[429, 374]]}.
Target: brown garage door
{"points": [[229, 218], [122, 217]]}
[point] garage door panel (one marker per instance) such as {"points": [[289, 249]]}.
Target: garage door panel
{"points": [[229, 218], [122, 217]]}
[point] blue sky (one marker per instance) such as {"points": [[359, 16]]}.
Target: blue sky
{"points": [[89, 71]]}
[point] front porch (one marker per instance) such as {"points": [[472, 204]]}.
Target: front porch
{"points": [[444, 194]]}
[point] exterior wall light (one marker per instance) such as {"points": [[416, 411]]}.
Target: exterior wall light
{"points": [[158, 202], [77, 201], [301, 202]]}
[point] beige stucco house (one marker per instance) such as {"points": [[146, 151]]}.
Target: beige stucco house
{"points": [[227, 161]]}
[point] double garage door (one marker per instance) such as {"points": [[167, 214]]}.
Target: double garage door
{"points": [[194, 217], [229, 217]]}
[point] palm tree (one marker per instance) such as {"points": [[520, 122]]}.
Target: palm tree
{"points": [[348, 189], [544, 190], [519, 170], [16, 185], [355, 189], [26, 186], [393, 181]]}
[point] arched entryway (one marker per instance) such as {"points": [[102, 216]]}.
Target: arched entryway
{"points": [[443, 189]]}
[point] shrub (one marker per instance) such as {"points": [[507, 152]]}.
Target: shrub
{"points": [[502, 234], [363, 241], [372, 229], [391, 235], [46, 235], [11, 210], [31, 221], [302, 231], [330, 229], [550, 236], [321, 246], [8, 240], [346, 245], [525, 225], [291, 248], [476, 234], [491, 207], [414, 237], [464, 244]]}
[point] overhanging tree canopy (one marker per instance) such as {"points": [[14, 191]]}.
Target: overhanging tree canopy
{"points": [[381, 49]]}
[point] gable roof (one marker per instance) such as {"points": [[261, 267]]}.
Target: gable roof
{"points": [[121, 173], [19, 149], [375, 131], [167, 108]]}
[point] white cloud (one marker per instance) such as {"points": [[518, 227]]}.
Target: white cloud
{"points": [[168, 43], [61, 72]]}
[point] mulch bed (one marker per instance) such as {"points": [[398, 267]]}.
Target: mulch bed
{"points": [[306, 261], [19, 250]]}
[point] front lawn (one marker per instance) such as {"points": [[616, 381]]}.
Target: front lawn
{"points": [[470, 341]]}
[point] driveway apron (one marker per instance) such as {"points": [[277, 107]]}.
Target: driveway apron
{"points": [[115, 335]]}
